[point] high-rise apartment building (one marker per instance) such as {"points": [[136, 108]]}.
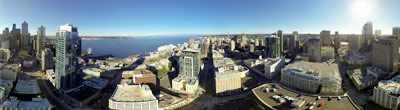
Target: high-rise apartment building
{"points": [[189, 63], [396, 31], [314, 50], [377, 34], [385, 53], [354, 42], [325, 37]]}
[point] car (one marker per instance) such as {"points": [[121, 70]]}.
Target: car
{"points": [[311, 107], [319, 97]]}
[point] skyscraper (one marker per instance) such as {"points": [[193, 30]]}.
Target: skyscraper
{"points": [[25, 36], [189, 63], [294, 42], [314, 50], [396, 31], [367, 36], [272, 46], [67, 46], [354, 42], [15, 38], [337, 41], [40, 37], [243, 42], [325, 37], [385, 53], [5, 34], [280, 35], [377, 34]]}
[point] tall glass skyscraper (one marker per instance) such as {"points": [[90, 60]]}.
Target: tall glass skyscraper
{"points": [[67, 56], [272, 46]]}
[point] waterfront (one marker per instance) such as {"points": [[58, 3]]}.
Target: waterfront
{"points": [[122, 48]]}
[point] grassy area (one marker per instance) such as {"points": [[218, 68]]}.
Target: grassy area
{"points": [[161, 71], [154, 60]]}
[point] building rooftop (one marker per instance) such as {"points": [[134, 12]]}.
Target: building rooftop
{"points": [[314, 71], [360, 79], [267, 98], [81, 93], [190, 50], [6, 83], [39, 103], [271, 61], [27, 87], [95, 82], [189, 80], [392, 85], [132, 93], [376, 70]]}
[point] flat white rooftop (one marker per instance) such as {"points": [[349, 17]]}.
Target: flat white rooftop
{"points": [[132, 93]]}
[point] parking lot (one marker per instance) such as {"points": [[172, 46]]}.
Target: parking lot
{"points": [[327, 103]]}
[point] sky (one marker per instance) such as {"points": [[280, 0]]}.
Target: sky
{"points": [[173, 17]]}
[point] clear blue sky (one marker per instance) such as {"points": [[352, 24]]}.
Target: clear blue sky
{"points": [[164, 17]]}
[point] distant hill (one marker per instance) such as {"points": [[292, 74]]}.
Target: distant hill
{"points": [[105, 37]]}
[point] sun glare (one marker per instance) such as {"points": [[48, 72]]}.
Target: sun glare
{"points": [[362, 9]]}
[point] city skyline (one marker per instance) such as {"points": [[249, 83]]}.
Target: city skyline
{"points": [[144, 18]]}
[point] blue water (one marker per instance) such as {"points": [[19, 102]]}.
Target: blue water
{"points": [[122, 48]]}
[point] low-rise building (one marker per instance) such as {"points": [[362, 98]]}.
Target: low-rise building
{"points": [[185, 84], [89, 90], [313, 77], [140, 76], [10, 72], [227, 78], [357, 58], [273, 66], [387, 93], [360, 80], [93, 71], [35, 104], [133, 97], [376, 72], [5, 89]]}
